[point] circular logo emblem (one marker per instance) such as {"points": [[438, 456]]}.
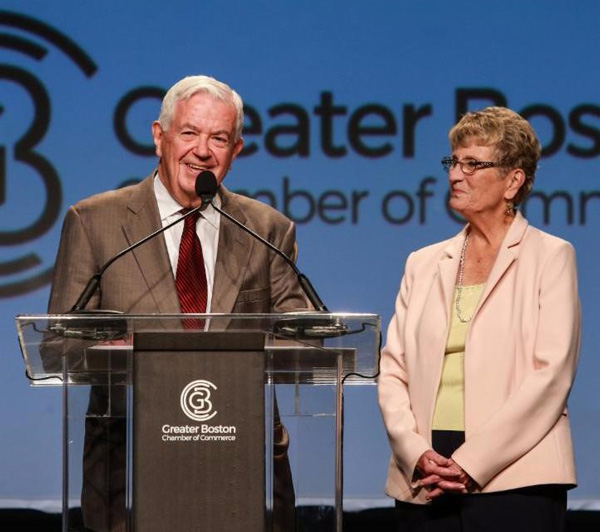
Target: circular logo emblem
{"points": [[30, 183], [195, 400]]}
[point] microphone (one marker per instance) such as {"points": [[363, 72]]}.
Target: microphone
{"points": [[114, 327], [305, 327], [206, 188], [206, 180], [208, 192]]}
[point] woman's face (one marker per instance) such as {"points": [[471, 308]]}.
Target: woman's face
{"points": [[483, 192]]}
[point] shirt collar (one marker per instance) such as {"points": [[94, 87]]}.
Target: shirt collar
{"points": [[168, 207]]}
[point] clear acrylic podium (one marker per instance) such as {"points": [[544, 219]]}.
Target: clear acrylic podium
{"points": [[201, 422]]}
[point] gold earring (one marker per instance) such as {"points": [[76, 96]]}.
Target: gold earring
{"points": [[510, 208]]}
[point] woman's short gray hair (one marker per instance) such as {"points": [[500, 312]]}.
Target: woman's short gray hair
{"points": [[512, 137]]}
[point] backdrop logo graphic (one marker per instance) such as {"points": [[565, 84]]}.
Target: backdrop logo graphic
{"points": [[196, 400], [19, 35]]}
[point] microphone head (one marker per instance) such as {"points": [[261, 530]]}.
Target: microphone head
{"points": [[206, 186]]}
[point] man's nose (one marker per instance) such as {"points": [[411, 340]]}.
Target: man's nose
{"points": [[201, 148]]}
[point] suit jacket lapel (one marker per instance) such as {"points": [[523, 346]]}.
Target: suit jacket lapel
{"points": [[152, 257], [233, 256]]}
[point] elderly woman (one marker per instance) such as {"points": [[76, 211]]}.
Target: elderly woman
{"points": [[482, 350]]}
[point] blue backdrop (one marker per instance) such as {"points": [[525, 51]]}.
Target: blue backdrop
{"points": [[348, 103]]}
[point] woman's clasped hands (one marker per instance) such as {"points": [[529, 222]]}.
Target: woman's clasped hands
{"points": [[440, 475]]}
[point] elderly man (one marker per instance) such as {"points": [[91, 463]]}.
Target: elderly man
{"points": [[199, 129]]}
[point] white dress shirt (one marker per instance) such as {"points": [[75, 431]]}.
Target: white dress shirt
{"points": [[207, 230]]}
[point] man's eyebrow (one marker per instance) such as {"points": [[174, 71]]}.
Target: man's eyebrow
{"points": [[187, 125], [221, 132]]}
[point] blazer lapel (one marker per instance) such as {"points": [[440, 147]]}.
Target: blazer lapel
{"points": [[152, 257], [447, 269], [507, 254], [233, 256]]}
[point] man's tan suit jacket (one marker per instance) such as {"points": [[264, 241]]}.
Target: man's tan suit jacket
{"points": [[248, 276]]}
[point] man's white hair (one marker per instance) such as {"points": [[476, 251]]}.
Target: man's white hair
{"points": [[191, 85]]}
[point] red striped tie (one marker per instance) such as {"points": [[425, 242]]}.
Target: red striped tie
{"points": [[191, 277]]}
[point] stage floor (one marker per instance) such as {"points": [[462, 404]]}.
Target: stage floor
{"points": [[381, 520]]}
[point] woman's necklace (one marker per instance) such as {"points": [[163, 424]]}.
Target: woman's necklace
{"points": [[459, 286]]}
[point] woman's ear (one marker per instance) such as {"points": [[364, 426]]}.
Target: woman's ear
{"points": [[515, 181]]}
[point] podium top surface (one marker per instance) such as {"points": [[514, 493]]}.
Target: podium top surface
{"points": [[74, 348]]}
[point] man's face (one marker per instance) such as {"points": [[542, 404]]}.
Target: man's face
{"points": [[200, 137]]}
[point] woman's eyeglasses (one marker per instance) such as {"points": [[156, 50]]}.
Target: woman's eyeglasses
{"points": [[467, 166]]}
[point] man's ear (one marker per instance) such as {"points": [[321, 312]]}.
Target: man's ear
{"points": [[237, 148], [157, 135]]}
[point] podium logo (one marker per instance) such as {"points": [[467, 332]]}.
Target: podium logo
{"points": [[195, 400]]}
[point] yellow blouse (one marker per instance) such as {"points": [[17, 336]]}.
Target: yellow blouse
{"points": [[449, 411]]}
